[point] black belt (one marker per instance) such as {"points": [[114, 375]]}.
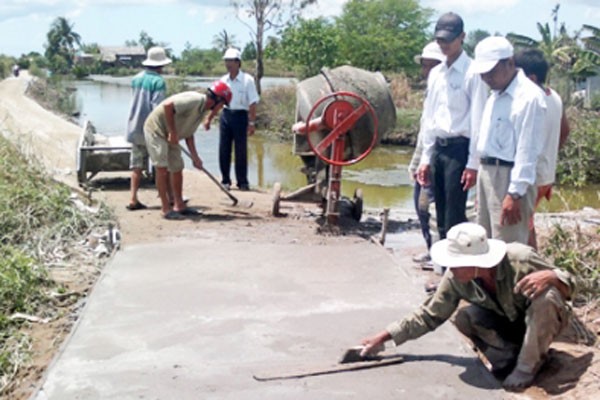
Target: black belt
{"points": [[496, 161], [230, 111], [444, 142]]}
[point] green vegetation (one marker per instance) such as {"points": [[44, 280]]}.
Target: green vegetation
{"points": [[39, 227], [53, 94], [579, 158], [578, 252], [275, 112], [310, 45]]}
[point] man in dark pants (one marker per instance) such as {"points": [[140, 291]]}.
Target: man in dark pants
{"points": [[453, 107], [237, 121]]}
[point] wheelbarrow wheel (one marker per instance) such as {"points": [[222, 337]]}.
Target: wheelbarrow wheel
{"points": [[357, 209], [276, 199]]}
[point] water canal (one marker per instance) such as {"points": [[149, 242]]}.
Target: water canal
{"points": [[382, 175]]}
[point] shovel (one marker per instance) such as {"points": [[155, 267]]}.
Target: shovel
{"points": [[216, 181]]}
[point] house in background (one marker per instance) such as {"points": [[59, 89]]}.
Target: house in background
{"points": [[122, 56]]}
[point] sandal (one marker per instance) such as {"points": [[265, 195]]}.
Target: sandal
{"points": [[137, 206], [173, 216], [189, 212]]}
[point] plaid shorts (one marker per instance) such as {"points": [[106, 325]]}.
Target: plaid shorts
{"points": [[139, 156]]}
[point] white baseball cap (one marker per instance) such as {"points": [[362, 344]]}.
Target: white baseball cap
{"points": [[431, 51], [156, 58], [489, 51], [467, 245], [232, 54]]}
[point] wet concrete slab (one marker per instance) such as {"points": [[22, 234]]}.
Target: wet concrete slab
{"points": [[197, 319]]}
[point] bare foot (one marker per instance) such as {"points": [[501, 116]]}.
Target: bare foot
{"points": [[518, 380]]}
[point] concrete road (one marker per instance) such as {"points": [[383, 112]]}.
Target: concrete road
{"points": [[197, 319]]}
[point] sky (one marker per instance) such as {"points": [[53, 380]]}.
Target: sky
{"points": [[24, 23]]}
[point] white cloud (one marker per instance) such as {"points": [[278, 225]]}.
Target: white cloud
{"points": [[11, 9], [470, 6], [324, 8]]}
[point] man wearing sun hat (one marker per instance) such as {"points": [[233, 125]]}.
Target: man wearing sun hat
{"points": [[430, 57], [516, 303], [149, 89], [509, 143]]}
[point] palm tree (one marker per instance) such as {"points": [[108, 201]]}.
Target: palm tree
{"points": [[223, 41], [61, 42]]}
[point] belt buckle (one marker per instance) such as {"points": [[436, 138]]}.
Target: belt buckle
{"points": [[442, 141]]}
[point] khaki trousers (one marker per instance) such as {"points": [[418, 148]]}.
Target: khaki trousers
{"points": [[523, 343], [492, 187]]}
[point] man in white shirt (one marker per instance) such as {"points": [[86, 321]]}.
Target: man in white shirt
{"points": [[508, 143], [452, 109], [555, 132], [237, 120]]}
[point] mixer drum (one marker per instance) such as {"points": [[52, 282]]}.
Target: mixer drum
{"points": [[371, 86]]}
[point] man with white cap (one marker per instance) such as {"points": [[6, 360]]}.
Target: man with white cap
{"points": [[423, 195], [237, 120], [149, 89], [517, 303], [508, 143], [453, 107]]}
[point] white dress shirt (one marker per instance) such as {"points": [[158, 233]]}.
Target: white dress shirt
{"points": [[453, 106], [243, 91], [546, 165], [511, 125]]}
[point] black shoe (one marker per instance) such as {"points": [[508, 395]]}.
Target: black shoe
{"points": [[244, 188]]}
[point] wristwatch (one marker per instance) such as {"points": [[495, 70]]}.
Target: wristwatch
{"points": [[515, 196]]}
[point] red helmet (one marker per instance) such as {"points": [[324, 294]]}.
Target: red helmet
{"points": [[222, 90]]}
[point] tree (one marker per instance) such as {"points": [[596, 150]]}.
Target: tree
{"points": [[267, 14], [60, 47], [223, 41], [383, 34], [473, 38], [146, 41], [249, 52], [311, 44]]}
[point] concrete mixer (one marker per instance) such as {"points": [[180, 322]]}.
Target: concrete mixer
{"points": [[340, 115]]}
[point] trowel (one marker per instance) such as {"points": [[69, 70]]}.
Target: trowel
{"points": [[354, 354]]}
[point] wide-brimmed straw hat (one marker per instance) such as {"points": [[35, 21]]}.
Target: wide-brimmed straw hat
{"points": [[467, 245], [157, 57]]}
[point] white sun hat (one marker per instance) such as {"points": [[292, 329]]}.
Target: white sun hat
{"points": [[467, 245], [431, 51], [232, 54], [157, 57], [489, 51]]}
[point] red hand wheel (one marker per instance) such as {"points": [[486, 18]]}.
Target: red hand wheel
{"points": [[341, 113]]}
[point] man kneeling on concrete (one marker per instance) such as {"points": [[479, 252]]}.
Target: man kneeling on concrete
{"points": [[517, 303], [178, 117]]}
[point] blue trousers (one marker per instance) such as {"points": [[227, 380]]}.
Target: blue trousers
{"points": [[233, 130]]}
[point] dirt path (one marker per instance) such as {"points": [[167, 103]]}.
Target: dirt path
{"points": [[53, 141]]}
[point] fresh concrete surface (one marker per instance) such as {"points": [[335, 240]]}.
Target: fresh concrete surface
{"points": [[197, 319]]}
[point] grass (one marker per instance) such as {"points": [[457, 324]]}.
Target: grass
{"points": [[578, 251], [40, 228]]}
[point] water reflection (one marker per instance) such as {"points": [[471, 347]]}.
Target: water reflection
{"points": [[382, 176]]}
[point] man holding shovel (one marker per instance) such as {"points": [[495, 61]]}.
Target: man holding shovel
{"points": [[176, 118], [516, 303]]}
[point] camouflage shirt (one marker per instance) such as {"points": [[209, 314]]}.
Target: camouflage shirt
{"points": [[520, 260]]}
